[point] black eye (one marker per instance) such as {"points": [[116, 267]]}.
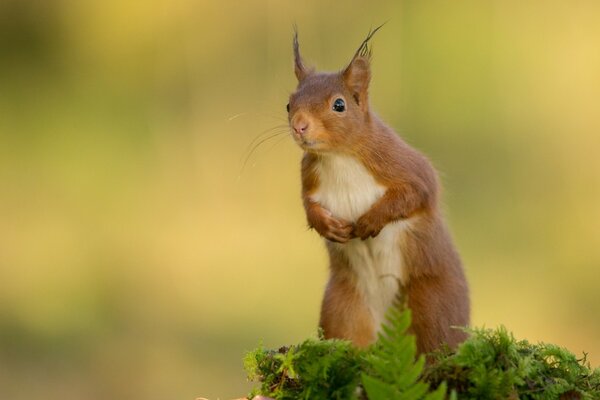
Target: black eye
{"points": [[339, 105], [287, 107]]}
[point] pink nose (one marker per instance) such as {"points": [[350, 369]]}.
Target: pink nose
{"points": [[300, 127]]}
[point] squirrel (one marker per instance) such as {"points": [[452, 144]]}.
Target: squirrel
{"points": [[375, 200]]}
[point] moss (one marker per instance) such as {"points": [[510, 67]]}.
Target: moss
{"points": [[314, 369], [491, 364]]}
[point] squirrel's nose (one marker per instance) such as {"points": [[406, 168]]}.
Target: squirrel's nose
{"points": [[300, 127]]}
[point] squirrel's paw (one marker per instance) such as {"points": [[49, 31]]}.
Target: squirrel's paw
{"points": [[367, 227], [332, 228]]}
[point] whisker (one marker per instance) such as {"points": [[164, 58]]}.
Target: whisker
{"points": [[263, 141], [236, 116], [277, 117], [257, 145], [264, 133], [281, 139]]}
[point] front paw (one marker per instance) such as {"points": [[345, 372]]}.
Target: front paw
{"points": [[367, 227], [331, 228]]}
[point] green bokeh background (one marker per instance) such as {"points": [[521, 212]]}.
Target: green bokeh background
{"points": [[139, 260]]}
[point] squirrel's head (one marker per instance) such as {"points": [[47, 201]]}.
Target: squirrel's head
{"points": [[330, 111]]}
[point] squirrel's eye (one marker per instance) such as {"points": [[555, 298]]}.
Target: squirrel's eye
{"points": [[287, 107], [339, 105]]}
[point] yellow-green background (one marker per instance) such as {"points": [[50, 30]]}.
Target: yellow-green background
{"points": [[139, 261]]}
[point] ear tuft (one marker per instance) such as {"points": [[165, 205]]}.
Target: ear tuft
{"points": [[358, 73], [364, 50], [299, 68]]}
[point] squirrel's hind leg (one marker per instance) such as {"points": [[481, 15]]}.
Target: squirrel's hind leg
{"points": [[344, 313]]}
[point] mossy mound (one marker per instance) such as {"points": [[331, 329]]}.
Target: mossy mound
{"points": [[491, 364]]}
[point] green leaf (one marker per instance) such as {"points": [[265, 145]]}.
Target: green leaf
{"points": [[378, 390], [393, 371]]}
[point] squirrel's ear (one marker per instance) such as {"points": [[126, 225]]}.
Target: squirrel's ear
{"points": [[356, 77], [358, 74], [299, 67]]}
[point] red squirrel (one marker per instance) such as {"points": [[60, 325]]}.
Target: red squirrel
{"points": [[375, 200]]}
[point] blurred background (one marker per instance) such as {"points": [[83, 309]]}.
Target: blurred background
{"points": [[141, 256]]}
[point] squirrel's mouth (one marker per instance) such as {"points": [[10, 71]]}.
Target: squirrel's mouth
{"points": [[307, 144], [304, 142]]}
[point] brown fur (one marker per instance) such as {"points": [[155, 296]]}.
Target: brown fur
{"points": [[432, 274], [343, 313]]}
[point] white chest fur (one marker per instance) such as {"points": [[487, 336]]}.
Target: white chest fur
{"points": [[348, 190]]}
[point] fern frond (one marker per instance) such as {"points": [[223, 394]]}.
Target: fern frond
{"points": [[393, 371]]}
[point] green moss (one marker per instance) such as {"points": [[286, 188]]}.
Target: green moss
{"points": [[491, 364], [314, 369]]}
